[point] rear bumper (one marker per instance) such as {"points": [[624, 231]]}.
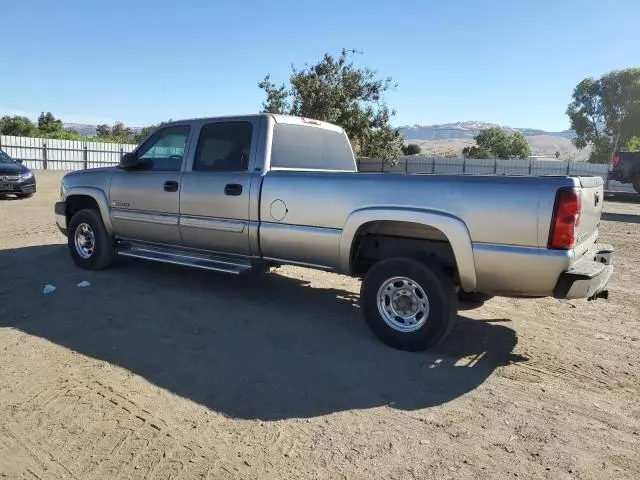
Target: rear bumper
{"points": [[60, 210], [589, 276]]}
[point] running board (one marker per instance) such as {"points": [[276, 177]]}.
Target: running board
{"points": [[185, 259]]}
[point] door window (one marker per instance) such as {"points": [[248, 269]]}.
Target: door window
{"points": [[224, 147], [165, 149]]}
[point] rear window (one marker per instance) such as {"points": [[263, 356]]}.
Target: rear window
{"points": [[302, 147]]}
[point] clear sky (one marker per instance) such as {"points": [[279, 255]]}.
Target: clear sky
{"points": [[143, 61]]}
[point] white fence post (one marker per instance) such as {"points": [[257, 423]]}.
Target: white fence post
{"points": [[44, 155]]}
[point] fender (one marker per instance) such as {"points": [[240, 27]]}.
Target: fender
{"points": [[453, 228], [99, 196]]}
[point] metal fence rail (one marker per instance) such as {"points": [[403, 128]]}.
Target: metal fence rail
{"points": [[48, 154], [490, 166]]}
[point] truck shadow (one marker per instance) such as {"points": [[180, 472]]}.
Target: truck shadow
{"points": [[270, 349]]}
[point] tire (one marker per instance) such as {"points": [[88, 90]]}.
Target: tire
{"points": [[25, 195], [636, 183], [414, 279], [103, 252]]}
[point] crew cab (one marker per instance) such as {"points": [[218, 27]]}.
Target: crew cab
{"points": [[241, 194]]}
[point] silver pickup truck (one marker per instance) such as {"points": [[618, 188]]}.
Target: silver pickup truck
{"points": [[241, 194]]}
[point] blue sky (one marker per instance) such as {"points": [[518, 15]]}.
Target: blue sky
{"points": [[141, 61]]}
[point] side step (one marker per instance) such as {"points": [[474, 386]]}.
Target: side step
{"points": [[184, 258]]}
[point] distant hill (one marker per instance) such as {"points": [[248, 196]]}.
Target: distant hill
{"points": [[470, 129], [453, 137], [86, 129]]}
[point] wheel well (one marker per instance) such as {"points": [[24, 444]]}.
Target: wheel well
{"points": [[384, 239], [75, 203]]}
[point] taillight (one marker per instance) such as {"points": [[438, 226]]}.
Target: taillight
{"points": [[566, 218], [615, 160]]}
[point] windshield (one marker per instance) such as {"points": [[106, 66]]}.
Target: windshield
{"points": [[4, 158]]}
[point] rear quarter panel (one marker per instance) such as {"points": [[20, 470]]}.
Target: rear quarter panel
{"points": [[501, 213]]}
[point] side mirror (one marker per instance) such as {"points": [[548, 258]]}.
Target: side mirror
{"points": [[19, 160], [128, 161]]}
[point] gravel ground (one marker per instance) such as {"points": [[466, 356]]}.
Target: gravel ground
{"points": [[156, 371]]}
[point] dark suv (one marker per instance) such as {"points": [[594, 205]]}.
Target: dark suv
{"points": [[15, 178], [626, 168]]}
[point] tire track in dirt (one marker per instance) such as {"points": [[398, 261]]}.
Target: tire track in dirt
{"points": [[83, 429]]}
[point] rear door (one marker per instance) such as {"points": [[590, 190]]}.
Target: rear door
{"points": [[145, 203], [216, 187]]}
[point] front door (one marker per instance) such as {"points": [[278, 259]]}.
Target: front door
{"points": [[215, 190], [145, 202]]}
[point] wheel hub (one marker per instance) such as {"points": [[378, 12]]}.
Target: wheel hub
{"points": [[84, 240], [403, 304]]}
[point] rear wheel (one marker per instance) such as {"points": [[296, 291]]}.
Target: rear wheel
{"points": [[408, 305], [636, 183], [90, 245]]}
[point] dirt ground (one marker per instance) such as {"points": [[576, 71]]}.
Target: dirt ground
{"points": [[157, 371]]}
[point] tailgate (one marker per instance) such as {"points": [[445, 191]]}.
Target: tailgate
{"points": [[592, 200]]}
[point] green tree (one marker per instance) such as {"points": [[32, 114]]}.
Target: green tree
{"points": [[120, 131], [17, 126], [495, 142], [633, 145], [411, 149], [47, 123], [475, 152], [605, 112], [335, 90], [103, 131]]}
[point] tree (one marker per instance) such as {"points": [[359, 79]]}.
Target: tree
{"points": [[335, 90], [17, 126], [411, 149], [475, 152], [47, 123], [120, 131], [557, 154], [605, 113], [103, 131], [633, 145], [495, 142]]}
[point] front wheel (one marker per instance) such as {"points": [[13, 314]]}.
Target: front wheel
{"points": [[636, 183], [25, 195], [409, 305], [90, 245]]}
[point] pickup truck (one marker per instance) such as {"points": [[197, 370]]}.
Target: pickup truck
{"points": [[242, 194], [626, 168]]}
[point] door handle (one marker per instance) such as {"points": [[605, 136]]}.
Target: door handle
{"points": [[233, 189], [171, 186]]}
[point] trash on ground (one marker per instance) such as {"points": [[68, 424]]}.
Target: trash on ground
{"points": [[84, 283], [48, 288]]}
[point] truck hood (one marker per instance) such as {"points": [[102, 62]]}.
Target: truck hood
{"points": [[89, 171], [93, 178], [12, 169]]}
